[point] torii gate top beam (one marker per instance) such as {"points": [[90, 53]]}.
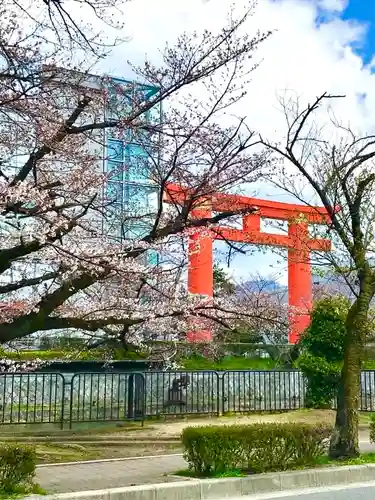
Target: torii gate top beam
{"points": [[251, 232]]}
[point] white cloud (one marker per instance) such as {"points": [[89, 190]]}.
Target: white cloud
{"points": [[332, 5], [301, 55]]}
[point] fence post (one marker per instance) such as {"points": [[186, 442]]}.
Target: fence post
{"points": [[136, 397], [222, 382], [218, 394], [130, 409], [63, 402], [139, 396], [71, 400]]}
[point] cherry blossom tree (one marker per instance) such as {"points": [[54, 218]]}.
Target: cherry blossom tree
{"points": [[93, 26], [61, 266]]}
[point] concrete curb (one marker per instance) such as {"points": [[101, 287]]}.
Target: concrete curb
{"points": [[207, 489]]}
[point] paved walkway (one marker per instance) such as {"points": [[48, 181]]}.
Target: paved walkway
{"points": [[95, 476]]}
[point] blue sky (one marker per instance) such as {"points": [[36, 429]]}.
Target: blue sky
{"points": [[362, 12]]}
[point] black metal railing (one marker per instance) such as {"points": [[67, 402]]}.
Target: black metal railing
{"points": [[251, 391], [32, 398], [173, 393], [54, 398]]}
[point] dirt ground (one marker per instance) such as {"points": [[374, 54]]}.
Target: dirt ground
{"points": [[54, 453], [171, 429]]}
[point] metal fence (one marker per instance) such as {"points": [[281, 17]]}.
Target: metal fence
{"points": [[54, 398]]}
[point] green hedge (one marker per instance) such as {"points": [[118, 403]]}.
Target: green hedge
{"points": [[17, 469], [255, 448]]}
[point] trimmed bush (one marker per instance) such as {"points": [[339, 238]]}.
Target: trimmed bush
{"points": [[17, 468], [255, 448]]}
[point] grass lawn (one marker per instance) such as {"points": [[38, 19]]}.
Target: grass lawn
{"points": [[84, 428], [228, 363], [22, 491], [229, 473], [70, 354], [191, 363]]}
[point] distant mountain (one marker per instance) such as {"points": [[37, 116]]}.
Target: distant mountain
{"points": [[333, 284], [264, 285]]}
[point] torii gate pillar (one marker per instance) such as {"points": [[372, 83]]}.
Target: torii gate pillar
{"points": [[299, 281], [200, 272]]}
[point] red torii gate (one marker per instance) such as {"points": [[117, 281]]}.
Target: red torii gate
{"points": [[298, 243]]}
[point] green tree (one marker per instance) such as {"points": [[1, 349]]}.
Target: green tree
{"points": [[322, 350], [222, 283]]}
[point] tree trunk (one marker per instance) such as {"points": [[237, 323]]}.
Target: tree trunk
{"points": [[340, 404], [344, 441]]}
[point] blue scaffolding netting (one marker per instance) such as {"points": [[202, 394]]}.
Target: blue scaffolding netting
{"points": [[131, 192]]}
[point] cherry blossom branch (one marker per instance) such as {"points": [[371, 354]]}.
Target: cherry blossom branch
{"points": [[26, 282], [60, 135], [9, 255]]}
